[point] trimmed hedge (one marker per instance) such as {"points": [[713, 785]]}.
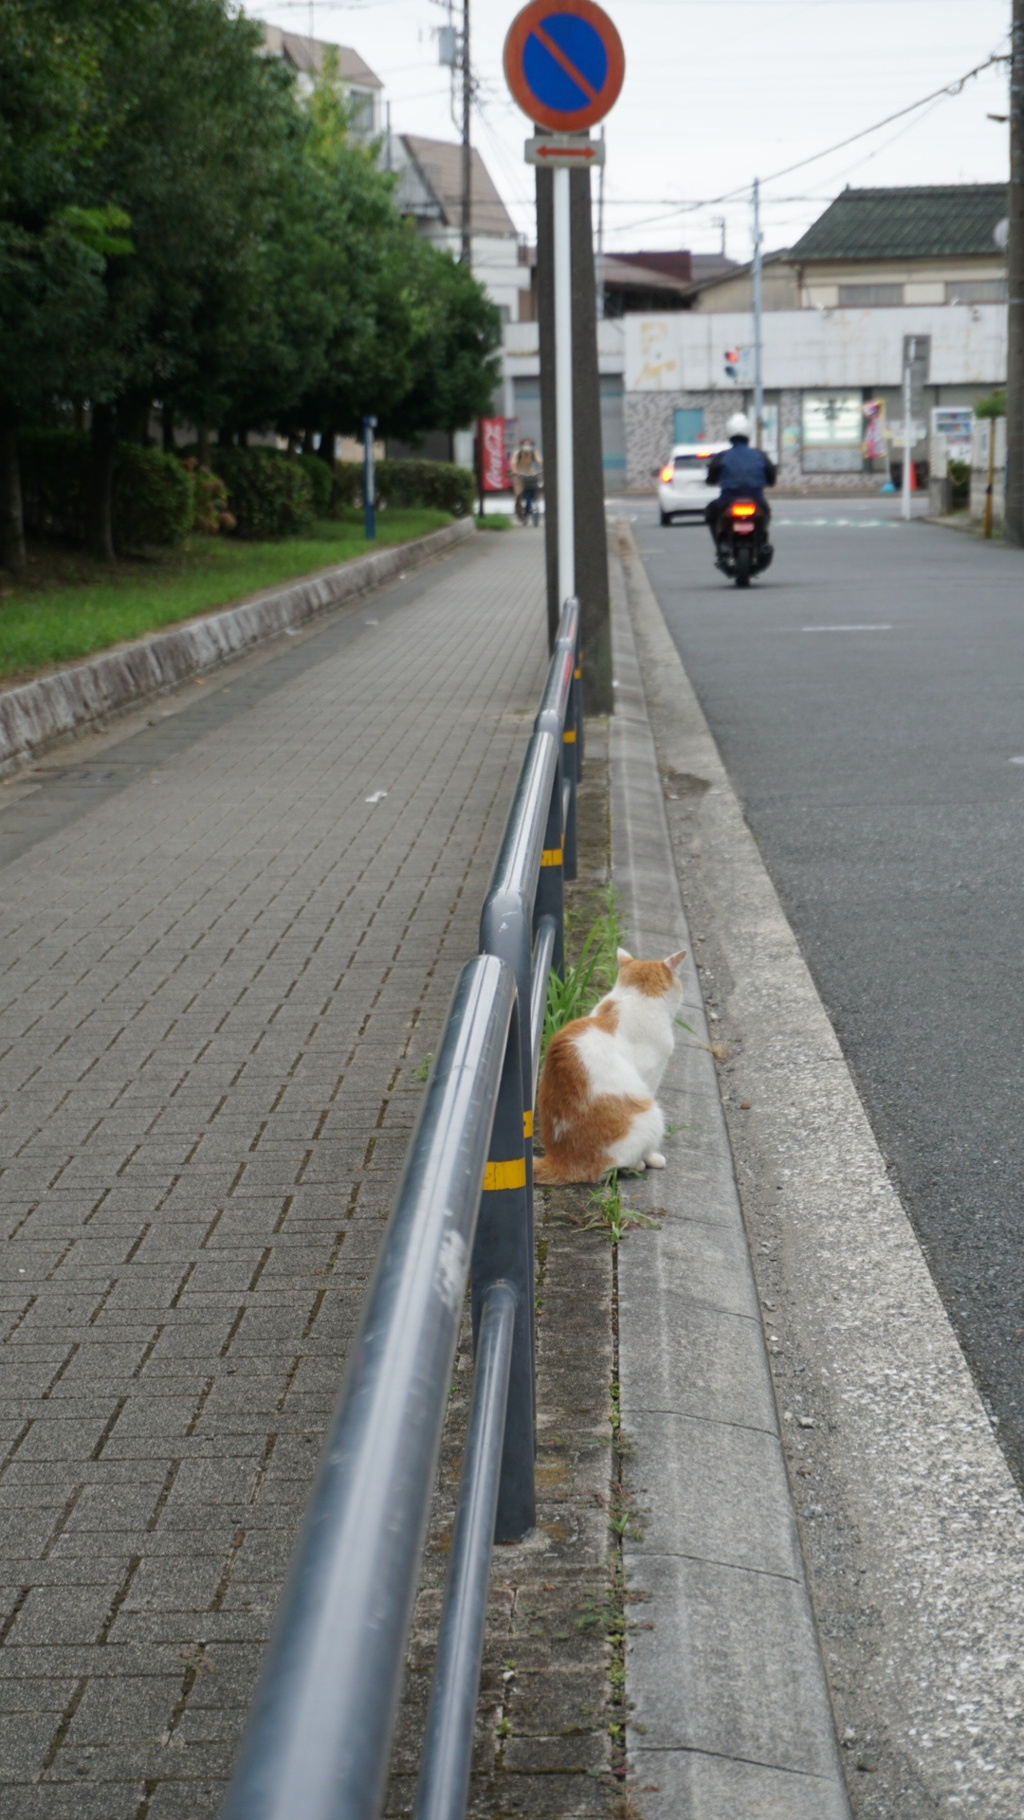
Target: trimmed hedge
{"points": [[321, 480], [348, 483], [210, 502], [442, 485], [269, 497], [153, 496]]}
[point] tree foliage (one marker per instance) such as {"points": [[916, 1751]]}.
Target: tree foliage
{"points": [[178, 227]]}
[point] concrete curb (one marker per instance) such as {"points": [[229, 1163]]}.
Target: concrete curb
{"points": [[729, 1704], [915, 1535], [38, 714]]}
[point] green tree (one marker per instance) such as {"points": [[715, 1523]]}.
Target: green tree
{"points": [[53, 250], [456, 353], [203, 131], [415, 338]]}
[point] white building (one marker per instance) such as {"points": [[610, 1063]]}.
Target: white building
{"points": [[429, 188], [820, 367], [522, 389], [308, 57]]}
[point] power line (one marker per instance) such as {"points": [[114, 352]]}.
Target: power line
{"points": [[950, 89]]}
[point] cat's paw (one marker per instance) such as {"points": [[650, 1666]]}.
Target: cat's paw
{"points": [[655, 1160]]}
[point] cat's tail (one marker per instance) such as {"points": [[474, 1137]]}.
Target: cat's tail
{"points": [[546, 1170]]}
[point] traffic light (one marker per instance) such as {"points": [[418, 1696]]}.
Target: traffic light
{"points": [[732, 362]]}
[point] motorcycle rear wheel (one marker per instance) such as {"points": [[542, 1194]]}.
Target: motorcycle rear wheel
{"points": [[743, 560]]}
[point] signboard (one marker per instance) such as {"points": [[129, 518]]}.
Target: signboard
{"points": [[874, 429], [564, 64], [565, 153], [493, 462], [955, 425]]}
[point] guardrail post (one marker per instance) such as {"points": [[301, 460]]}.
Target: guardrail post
{"points": [[577, 690], [550, 886], [503, 1251]]}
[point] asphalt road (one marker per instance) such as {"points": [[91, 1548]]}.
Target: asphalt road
{"points": [[867, 700]]}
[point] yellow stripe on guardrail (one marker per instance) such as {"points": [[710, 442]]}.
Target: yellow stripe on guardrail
{"points": [[551, 856], [569, 736], [527, 1124], [505, 1175]]}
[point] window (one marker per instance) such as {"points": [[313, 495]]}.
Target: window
{"points": [[869, 296], [613, 431], [361, 111], [688, 424], [977, 290], [832, 432], [691, 461]]}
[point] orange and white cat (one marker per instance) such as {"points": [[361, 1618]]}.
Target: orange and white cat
{"points": [[596, 1107]]}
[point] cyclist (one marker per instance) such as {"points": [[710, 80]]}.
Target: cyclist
{"points": [[527, 469]]}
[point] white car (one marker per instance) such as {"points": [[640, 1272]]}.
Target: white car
{"points": [[683, 491]]}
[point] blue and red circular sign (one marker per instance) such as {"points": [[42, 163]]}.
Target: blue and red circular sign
{"points": [[564, 63]]}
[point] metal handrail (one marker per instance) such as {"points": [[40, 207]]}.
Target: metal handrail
{"points": [[319, 1732]]}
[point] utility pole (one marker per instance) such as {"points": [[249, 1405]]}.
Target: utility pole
{"points": [[1014, 528], [467, 154], [758, 312]]}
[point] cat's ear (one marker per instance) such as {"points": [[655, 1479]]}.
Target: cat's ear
{"points": [[675, 961], [622, 954]]}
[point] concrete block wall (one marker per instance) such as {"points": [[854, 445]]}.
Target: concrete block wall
{"points": [[648, 427]]}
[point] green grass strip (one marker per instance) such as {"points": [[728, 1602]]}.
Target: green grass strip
{"points": [[73, 606]]}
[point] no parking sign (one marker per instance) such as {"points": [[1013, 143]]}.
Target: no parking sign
{"points": [[564, 63]]}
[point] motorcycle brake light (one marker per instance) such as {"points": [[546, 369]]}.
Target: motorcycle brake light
{"points": [[743, 511], [668, 473]]}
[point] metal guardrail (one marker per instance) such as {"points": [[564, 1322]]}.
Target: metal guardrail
{"points": [[318, 1738]]}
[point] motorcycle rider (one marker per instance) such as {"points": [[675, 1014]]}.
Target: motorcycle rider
{"points": [[742, 473]]}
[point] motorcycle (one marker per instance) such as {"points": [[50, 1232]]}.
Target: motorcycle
{"points": [[742, 541]]}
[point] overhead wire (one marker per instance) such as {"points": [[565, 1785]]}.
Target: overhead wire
{"points": [[948, 91]]}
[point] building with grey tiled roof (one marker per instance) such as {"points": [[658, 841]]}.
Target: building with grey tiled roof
{"points": [[937, 243]]}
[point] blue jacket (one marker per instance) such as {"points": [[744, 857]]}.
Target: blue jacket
{"points": [[742, 472]]}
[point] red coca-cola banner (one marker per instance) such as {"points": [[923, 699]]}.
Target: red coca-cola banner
{"points": [[493, 461]]}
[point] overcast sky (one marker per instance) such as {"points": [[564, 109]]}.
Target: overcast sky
{"points": [[716, 92]]}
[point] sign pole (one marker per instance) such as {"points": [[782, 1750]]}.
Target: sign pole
{"points": [[907, 444], [758, 312], [369, 481], [563, 388], [564, 64]]}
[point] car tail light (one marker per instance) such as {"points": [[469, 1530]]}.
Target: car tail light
{"points": [[668, 473], [742, 510]]}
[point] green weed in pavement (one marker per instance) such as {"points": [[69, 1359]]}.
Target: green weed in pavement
{"points": [[584, 981]]}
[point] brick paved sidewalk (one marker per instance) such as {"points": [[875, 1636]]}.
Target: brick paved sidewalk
{"points": [[216, 986]]}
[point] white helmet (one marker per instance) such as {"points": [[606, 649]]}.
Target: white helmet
{"points": [[738, 425]]}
